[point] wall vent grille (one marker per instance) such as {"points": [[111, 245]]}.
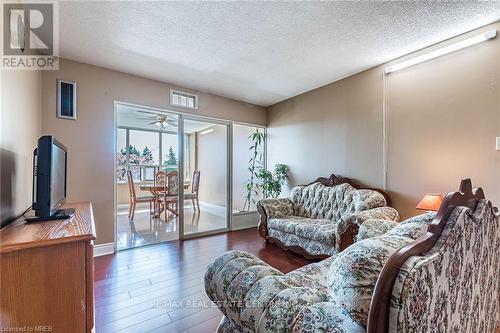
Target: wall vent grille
{"points": [[183, 99]]}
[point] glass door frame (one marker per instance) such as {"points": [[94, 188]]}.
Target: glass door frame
{"points": [[229, 176], [116, 103], [180, 136]]}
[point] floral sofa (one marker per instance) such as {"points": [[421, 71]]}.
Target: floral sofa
{"points": [[454, 286], [318, 221]]}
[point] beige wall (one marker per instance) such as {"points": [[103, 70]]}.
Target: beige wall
{"points": [[90, 139], [442, 120], [211, 160], [336, 128], [443, 117], [20, 130]]}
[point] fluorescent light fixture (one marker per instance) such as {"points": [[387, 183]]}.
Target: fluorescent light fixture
{"points": [[210, 130], [442, 51]]}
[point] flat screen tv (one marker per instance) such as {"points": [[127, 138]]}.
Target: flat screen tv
{"points": [[50, 160]]}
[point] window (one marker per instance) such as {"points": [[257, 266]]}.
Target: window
{"points": [[144, 148], [121, 146], [183, 99], [66, 99], [144, 152], [169, 153]]}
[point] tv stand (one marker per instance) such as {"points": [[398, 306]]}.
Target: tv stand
{"points": [[60, 214], [48, 273]]}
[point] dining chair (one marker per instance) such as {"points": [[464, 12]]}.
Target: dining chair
{"points": [[169, 196], [134, 199], [193, 196], [160, 178]]}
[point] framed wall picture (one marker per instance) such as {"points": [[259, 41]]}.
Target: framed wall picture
{"points": [[66, 99]]}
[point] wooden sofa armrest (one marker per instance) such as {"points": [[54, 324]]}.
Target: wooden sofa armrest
{"points": [[262, 227], [348, 236], [272, 208]]}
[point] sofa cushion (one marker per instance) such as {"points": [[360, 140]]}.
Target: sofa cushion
{"points": [[367, 199], [374, 228], [354, 272], [324, 317], [413, 227], [316, 229], [323, 202], [317, 271], [311, 246], [277, 208], [333, 202]]}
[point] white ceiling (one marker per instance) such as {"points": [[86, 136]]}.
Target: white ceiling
{"points": [[142, 118], [258, 52]]}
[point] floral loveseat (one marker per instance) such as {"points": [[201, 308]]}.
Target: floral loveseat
{"points": [[318, 221], [430, 273]]}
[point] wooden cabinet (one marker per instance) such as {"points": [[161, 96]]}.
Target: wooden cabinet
{"points": [[46, 274]]}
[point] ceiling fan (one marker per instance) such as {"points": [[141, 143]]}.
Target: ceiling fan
{"points": [[161, 121]]}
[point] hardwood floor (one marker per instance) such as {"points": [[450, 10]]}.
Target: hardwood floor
{"points": [[159, 288], [145, 229]]}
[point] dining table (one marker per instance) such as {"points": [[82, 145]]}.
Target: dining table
{"points": [[156, 190]]}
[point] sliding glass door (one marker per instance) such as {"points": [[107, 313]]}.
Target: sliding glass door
{"points": [[146, 144], [172, 176], [205, 176]]}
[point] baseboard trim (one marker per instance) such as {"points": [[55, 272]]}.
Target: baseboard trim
{"points": [[245, 221], [244, 227], [104, 249]]}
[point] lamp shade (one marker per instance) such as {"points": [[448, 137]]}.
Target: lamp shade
{"points": [[430, 202]]}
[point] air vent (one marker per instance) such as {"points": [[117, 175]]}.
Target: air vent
{"points": [[183, 99]]}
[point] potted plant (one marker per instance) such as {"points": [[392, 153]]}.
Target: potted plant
{"points": [[260, 182], [255, 165], [272, 182]]}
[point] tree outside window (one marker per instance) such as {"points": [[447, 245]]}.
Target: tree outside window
{"points": [[170, 160], [143, 153]]}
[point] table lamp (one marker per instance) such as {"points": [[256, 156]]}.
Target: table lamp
{"points": [[431, 202]]}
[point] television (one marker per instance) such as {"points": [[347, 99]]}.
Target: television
{"points": [[50, 160]]}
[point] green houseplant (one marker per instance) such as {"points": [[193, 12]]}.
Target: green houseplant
{"points": [[255, 164], [272, 182], [260, 179]]}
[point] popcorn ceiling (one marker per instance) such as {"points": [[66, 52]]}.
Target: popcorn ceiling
{"points": [[259, 52]]}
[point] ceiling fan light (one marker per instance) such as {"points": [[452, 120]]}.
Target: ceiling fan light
{"points": [[164, 123], [158, 124]]}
